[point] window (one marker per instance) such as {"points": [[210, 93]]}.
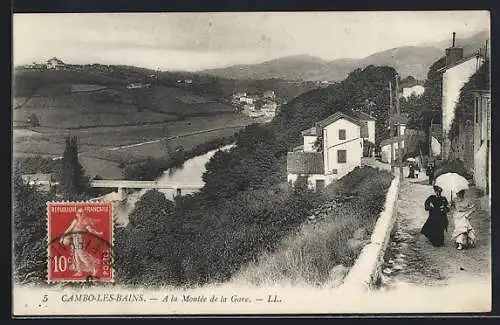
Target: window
{"points": [[364, 130], [341, 156], [477, 109], [342, 134]]}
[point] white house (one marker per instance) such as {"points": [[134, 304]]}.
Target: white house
{"points": [[482, 140], [247, 100], [385, 148], [368, 125], [416, 90], [43, 181], [339, 152], [138, 85], [54, 63], [456, 73], [269, 95]]}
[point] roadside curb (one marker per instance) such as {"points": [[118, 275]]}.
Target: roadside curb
{"points": [[365, 272]]}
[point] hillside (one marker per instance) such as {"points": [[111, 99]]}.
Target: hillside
{"points": [[361, 86], [97, 95], [407, 60]]}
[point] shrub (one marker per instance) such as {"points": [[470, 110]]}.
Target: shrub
{"points": [[308, 255], [452, 166]]}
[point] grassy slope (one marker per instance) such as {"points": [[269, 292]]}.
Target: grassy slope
{"points": [[308, 255]]}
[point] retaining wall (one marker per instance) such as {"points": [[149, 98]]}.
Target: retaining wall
{"points": [[365, 272]]}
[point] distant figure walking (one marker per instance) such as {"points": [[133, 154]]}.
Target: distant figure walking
{"points": [[463, 234], [437, 221], [430, 172], [412, 168]]}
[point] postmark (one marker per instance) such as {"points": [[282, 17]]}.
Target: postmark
{"points": [[80, 237]]}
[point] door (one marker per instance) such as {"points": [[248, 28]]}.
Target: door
{"points": [[320, 184]]}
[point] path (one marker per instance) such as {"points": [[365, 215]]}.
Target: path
{"points": [[412, 260]]}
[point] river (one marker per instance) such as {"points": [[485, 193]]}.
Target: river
{"points": [[190, 173]]}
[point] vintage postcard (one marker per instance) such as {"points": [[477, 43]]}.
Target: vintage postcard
{"points": [[251, 163]]}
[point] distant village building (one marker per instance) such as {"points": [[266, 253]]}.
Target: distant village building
{"points": [[416, 90], [138, 85], [456, 73], [54, 64], [385, 145], [44, 181], [331, 149], [385, 148], [249, 107], [436, 133], [239, 95], [482, 140], [247, 100], [269, 95]]}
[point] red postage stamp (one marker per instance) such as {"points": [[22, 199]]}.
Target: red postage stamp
{"points": [[80, 238]]}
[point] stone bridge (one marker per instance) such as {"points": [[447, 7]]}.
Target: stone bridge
{"points": [[121, 185]]}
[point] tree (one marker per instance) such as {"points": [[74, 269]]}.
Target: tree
{"points": [[366, 89], [154, 230], [30, 234], [73, 182]]}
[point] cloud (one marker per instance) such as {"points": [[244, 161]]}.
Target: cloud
{"points": [[230, 37]]}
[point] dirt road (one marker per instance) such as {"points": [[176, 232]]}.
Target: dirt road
{"points": [[412, 260]]}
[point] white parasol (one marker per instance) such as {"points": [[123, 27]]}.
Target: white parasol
{"points": [[411, 159], [451, 183]]}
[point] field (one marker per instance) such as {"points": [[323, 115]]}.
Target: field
{"points": [[99, 147], [106, 117]]}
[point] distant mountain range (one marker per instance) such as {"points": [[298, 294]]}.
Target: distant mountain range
{"points": [[407, 60]]}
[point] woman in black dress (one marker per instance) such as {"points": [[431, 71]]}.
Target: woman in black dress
{"points": [[437, 221]]}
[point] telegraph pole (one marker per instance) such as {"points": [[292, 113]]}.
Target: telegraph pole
{"points": [[391, 126], [400, 145]]}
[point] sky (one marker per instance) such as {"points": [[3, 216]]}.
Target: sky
{"points": [[195, 41]]}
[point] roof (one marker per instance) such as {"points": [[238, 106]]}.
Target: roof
{"points": [[311, 131], [337, 116], [37, 177], [362, 116], [55, 59], [403, 119], [305, 163], [464, 59], [392, 140]]}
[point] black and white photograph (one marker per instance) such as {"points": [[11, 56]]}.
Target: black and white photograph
{"points": [[242, 163]]}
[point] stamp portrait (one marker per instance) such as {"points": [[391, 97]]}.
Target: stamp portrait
{"points": [[80, 236]]}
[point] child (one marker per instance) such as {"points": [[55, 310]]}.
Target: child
{"points": [[463, 234]]}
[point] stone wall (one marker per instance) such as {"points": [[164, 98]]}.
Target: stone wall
{"points": [[365, 272]]}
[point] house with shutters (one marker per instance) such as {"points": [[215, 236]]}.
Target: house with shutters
{"points": [[331, 149], [455, 74], [482, 140]]}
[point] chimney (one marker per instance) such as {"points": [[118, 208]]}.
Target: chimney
{"points": [[454, 54]]}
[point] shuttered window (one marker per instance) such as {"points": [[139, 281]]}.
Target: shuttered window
{"points": [[484, 118], [341, 156], [364, 130], [342, 135]]}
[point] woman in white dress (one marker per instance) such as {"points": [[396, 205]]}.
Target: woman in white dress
{"points": [[463, 234]]}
